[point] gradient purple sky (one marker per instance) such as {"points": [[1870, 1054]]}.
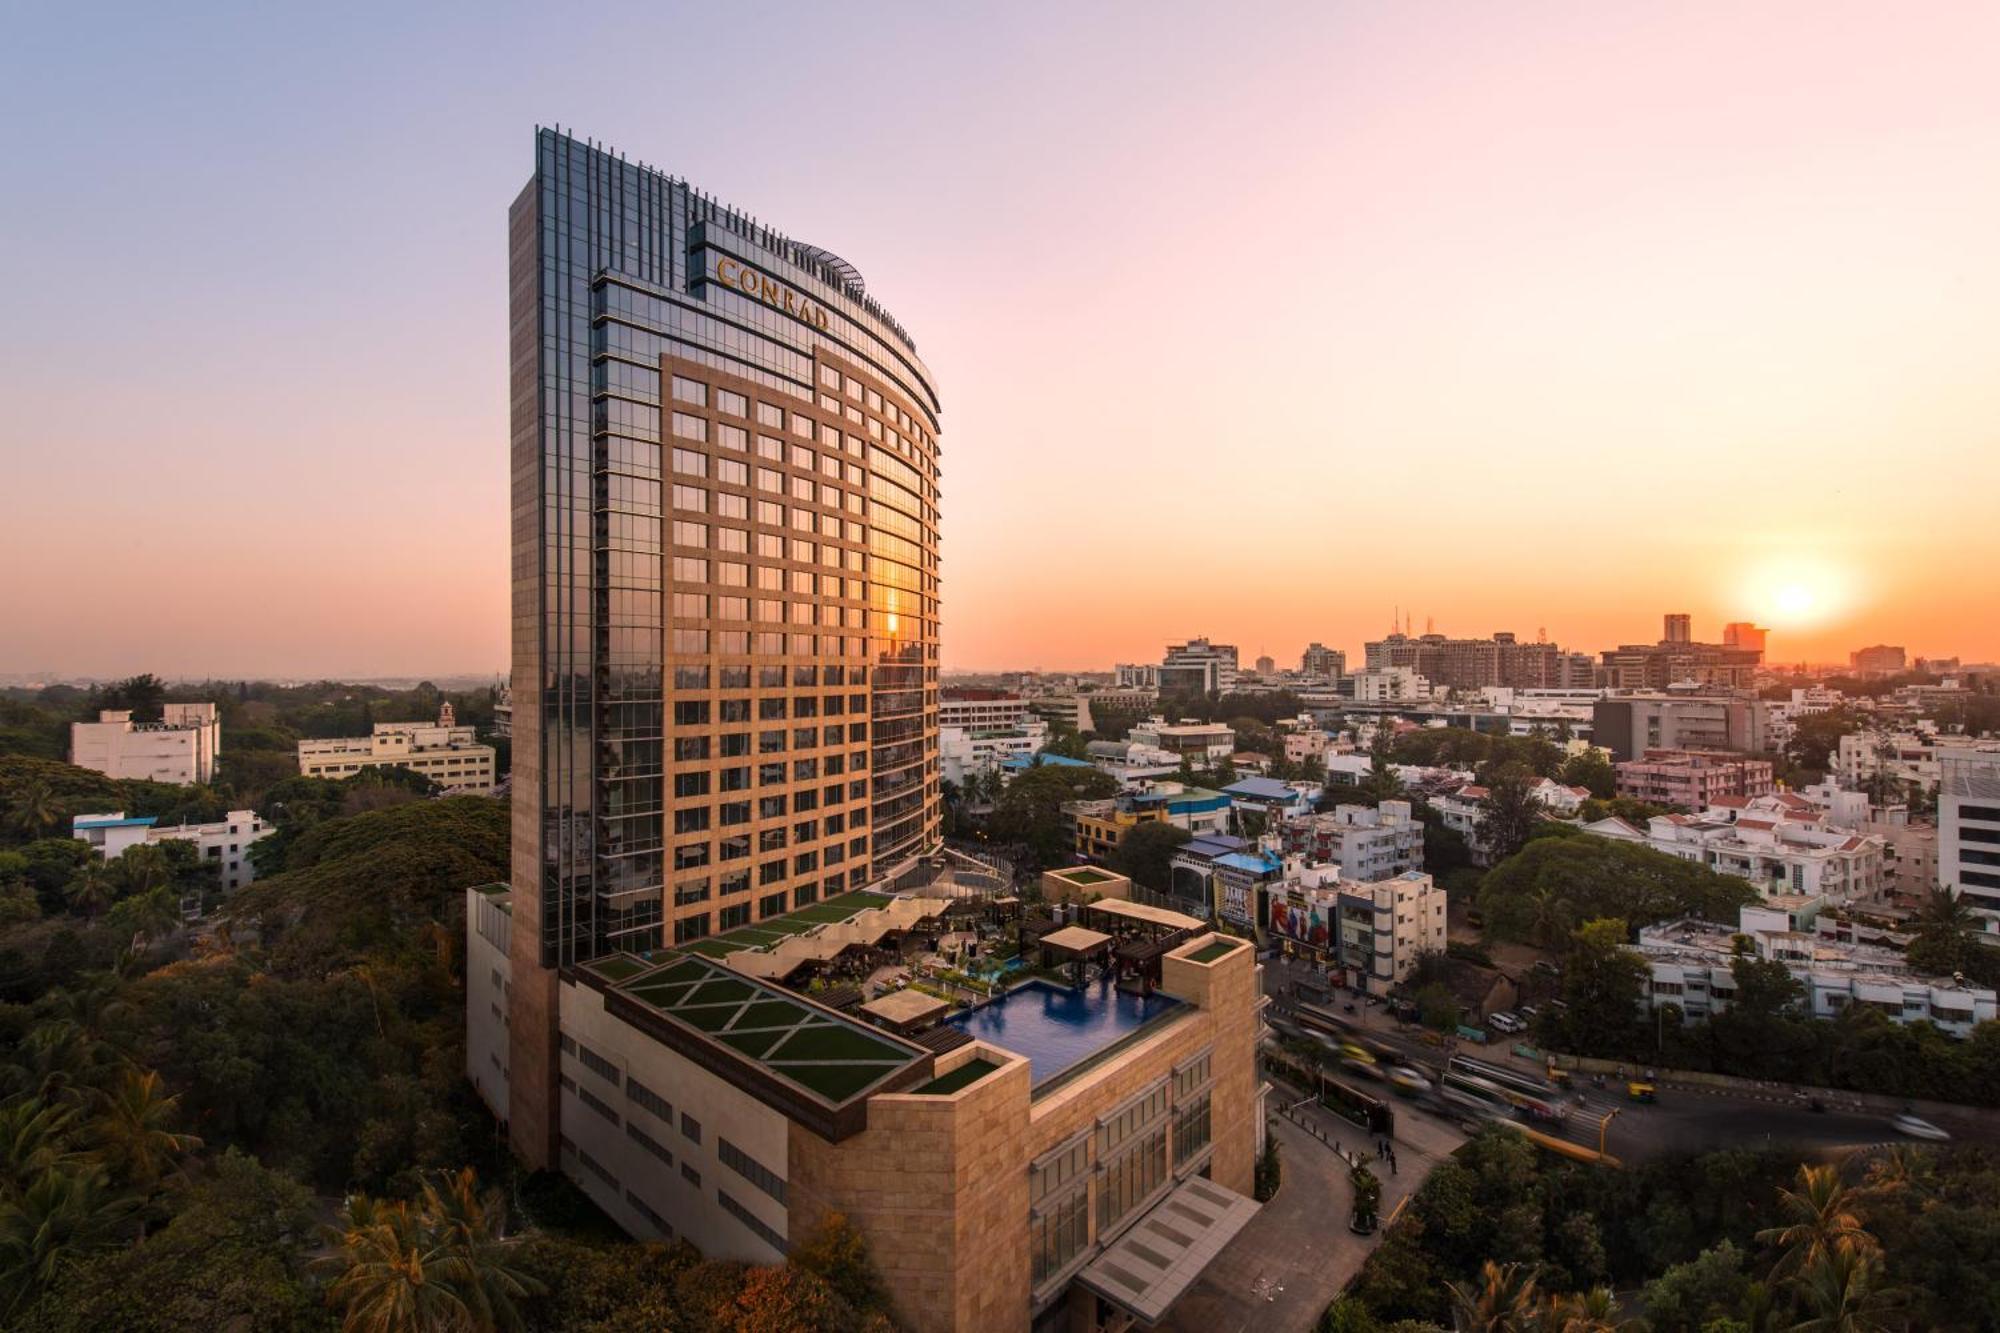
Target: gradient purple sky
{"points": [[1252, 321]]}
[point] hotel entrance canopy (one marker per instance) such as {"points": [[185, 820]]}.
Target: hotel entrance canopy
{"points": [[1150, 1266]]}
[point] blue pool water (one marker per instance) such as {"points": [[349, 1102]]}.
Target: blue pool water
{"points": [[1055, 1026]]}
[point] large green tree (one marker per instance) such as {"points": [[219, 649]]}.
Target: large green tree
{"points": [[1030, 811], [1146, 853], [1602, 877], [1603, 984]]}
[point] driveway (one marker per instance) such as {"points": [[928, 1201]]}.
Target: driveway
{"points": [[1282, 1270]]}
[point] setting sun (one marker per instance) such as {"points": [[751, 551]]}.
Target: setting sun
{"points": [[1798, 592]]}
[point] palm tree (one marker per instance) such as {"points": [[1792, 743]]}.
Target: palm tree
{"points": [[1899, 1169], [472, 1225], [1504, 1302], [1946, 909], [33, 809], [130, 1130], [152, 914], [35, 1136], [1821, 1219], [90, 890], [1593, 1311], [65, 1214], [58, 1057], [1838, 1290], [141, 870], [438, 1265], [385, 1283]]}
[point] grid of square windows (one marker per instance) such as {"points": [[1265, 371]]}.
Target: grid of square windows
{"points": [[812, 558]]}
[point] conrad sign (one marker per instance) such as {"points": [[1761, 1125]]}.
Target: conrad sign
{"points": [[761, 287]]}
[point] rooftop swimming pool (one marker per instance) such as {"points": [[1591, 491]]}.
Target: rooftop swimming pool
{"points": [[1056, 1027]]}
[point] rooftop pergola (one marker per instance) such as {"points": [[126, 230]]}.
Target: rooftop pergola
{"points": [[1075, 941], [904, 1010]]}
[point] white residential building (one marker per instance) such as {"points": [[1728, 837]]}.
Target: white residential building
{"points": [[1558, 799], [1131, 763], [449, 755], [180, 748], [1381, 685], [1910, 757], [1361, 843], [1909, 846], [1202, 743], [225, 844], [1968, 859], [964, 751], [1373, 932], [1783, 851], [1692, 968], [982, 711]]}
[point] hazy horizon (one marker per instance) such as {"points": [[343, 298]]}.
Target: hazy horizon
{"points": [[1531, 318]]}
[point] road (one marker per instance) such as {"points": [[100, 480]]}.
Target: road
{"points": [[1684, 1120]]}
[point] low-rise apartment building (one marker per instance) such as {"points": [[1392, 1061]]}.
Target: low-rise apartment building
{"points": [[1629, 725], [1379, 685], [224, 844], [1780, 854], [1692, 779], [1131, 763], [1200, 743], [1909, 758], [1369, 934], [449, 755], [971, 709], [1691, 963], [1365, 844], [181, 748], [1102, 824], [966, 753]]}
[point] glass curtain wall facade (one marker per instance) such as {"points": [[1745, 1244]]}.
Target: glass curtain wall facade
{"points": [[725, 492]]}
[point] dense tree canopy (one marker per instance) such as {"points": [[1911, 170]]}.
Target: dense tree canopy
{"points": [[1029, 812], [1544, 891], [1146, 852]]}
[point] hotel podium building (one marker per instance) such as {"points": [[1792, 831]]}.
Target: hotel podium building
{"points": [[725, 620]]}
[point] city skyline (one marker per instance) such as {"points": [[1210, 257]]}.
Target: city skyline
{"points": [[1532, 320]]}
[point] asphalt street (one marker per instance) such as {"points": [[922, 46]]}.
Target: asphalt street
{"points": [[1684, 1120]]}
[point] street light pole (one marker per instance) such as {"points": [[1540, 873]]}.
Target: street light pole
{"points": [[1604, 1128]]}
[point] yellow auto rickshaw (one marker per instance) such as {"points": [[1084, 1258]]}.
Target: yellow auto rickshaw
{"points": [[1641, 1092], [1561, 1078]]}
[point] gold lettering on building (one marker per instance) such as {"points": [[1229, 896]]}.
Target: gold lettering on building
{"points": [[761, 287]]}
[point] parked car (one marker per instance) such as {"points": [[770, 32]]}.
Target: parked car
{"points": [[1918, 1129], [1505, 1022], [1528, 1012]]}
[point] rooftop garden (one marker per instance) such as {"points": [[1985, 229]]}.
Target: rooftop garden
{"points": [[831, 1057]]}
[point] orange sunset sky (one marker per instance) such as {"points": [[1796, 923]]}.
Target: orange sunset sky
{"points": [[1254, 322]]}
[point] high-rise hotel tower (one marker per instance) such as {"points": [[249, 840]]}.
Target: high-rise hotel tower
{"points": [[725, 583]]}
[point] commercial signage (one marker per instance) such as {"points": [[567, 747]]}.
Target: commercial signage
{"points": [[1300, 919], [732, 272]]}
